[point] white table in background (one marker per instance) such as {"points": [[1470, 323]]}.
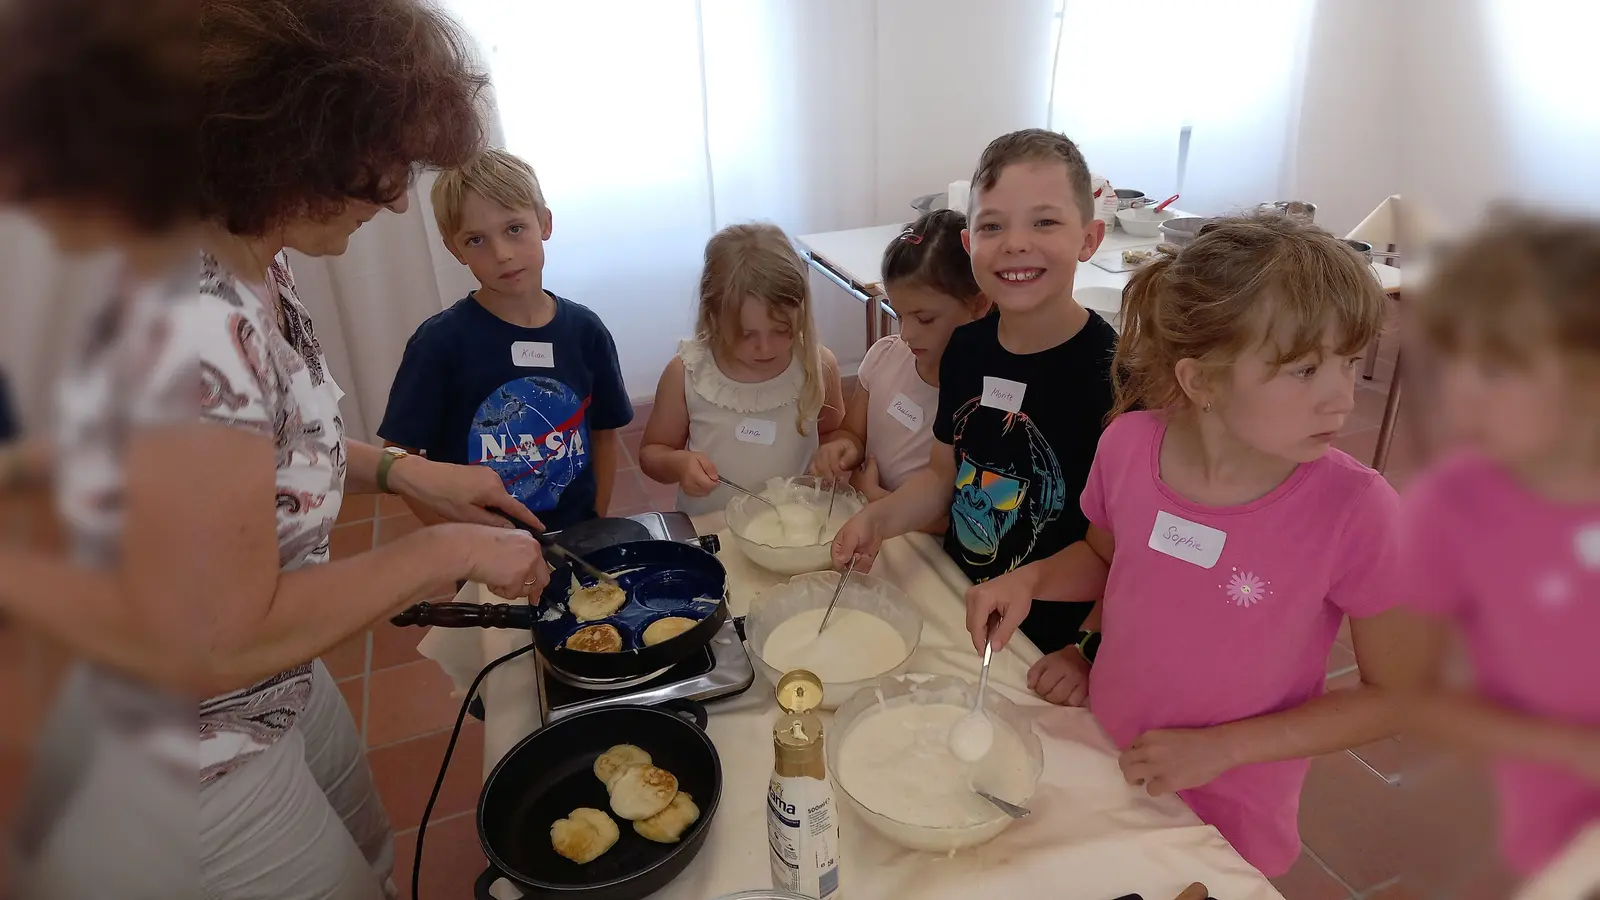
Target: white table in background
{"points": [[1091, 836]]}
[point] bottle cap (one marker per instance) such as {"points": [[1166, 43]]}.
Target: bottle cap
{"points": [[799, 691]]}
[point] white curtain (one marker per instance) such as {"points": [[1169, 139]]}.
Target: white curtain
{"points": [[1178, 95], [1545, 92], [652, 123]]}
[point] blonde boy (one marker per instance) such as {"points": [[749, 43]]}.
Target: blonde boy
{"points": [[511, 376]]}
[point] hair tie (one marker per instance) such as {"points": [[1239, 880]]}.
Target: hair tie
{"points": [[910, 236]]}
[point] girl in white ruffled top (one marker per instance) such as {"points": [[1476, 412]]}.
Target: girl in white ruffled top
{"points": [[749, 397]]}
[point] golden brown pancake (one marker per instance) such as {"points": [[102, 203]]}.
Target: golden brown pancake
{"points": [[583, 835], [611, 763], [590, 604], [667, 629], [667, 826], [642, 791], [596, 639]]}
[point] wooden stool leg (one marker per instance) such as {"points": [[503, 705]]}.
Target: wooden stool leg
{"points": [[1391, 414]]}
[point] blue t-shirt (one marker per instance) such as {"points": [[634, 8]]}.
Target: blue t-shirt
{"points": [[475, 389], [8, 419]]}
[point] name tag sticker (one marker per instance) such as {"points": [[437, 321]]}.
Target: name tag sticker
{"points": [[1002, 393], [757, 431], [1189, 541], [906, 411], [535, 354]]}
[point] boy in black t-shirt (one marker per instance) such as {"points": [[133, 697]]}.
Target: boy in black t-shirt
{"points": [[511, 376], [1023, 395]]}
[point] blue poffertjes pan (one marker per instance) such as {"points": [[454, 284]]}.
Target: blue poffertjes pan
{"points": [[661, 579]]}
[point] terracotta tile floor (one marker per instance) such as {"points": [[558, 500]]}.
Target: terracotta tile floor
{"points": [[1368, 833]]}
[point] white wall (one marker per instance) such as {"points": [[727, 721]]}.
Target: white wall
{"points": [[1349, 143], [952, 76], [1454, 156]]}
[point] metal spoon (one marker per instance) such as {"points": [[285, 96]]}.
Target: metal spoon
{"points": [[747, 492], [975, 726], [839, 589], [833, 494], [1010, 809]]}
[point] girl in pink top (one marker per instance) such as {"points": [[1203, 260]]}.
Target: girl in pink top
{"points": [[888, 426], [1503, 536], [1227, 537]]}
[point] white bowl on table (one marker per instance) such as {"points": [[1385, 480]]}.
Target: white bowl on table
{"points": [[807, 491], [813, 590], [942, 690], [1144, 221]]}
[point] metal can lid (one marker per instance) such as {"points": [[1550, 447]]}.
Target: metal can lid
{"points": [[799, 691]]}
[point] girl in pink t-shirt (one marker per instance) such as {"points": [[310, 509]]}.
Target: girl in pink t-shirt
{"points": [[1503, 536], [888, 426], [1229, 537]]}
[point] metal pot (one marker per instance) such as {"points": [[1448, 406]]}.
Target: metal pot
{"points": [[551, 772], [1302, 211], [1362, 248]]}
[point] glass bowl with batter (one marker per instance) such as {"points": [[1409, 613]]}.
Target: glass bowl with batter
{"points": [[784, 537], [873, 632], [888, 752]]}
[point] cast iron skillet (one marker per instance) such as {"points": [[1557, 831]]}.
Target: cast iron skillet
{"points": [[662, 578], [551, 773]]}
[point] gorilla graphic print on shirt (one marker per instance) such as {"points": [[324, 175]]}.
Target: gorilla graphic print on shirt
{"points": [[1008, 487], [533, 433]]}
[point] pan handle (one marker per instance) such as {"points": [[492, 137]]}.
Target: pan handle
{"points": [[467, 615], [687, 710], [486, 880], [710, 543]]}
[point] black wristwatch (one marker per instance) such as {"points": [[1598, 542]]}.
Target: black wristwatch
{"points": [[1088, 644]]}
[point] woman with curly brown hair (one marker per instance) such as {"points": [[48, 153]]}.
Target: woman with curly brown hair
{"points": [[209, 457]]}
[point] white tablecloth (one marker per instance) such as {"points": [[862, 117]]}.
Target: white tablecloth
{"points": [[1091, 837]]}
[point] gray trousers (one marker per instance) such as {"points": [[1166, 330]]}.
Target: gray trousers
{"points": [[301, 821]]}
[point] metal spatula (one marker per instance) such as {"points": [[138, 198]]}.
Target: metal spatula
{"points": [[553, 548]]}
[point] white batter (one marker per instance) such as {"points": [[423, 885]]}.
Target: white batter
{"points": [[794, 525], [856, 645], [896, 761]]}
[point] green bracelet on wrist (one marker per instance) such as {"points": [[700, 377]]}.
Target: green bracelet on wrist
{"points": [[386, 461]]}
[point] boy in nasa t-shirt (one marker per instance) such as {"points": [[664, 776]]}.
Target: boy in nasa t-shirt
{"points": [[511, 376]]}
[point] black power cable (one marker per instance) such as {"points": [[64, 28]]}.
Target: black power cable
{"points": [[438, 783]]}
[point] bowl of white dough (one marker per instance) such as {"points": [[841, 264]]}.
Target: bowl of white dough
{"points": [[889, 755], [787, 533], [872, 632]]}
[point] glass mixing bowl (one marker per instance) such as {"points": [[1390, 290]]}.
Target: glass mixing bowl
{"points": [[813, 590], [807, 491], [938, 690]]}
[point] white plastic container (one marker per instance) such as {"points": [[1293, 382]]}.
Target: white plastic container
{"points": [[802, 815], [1105, 201]]}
